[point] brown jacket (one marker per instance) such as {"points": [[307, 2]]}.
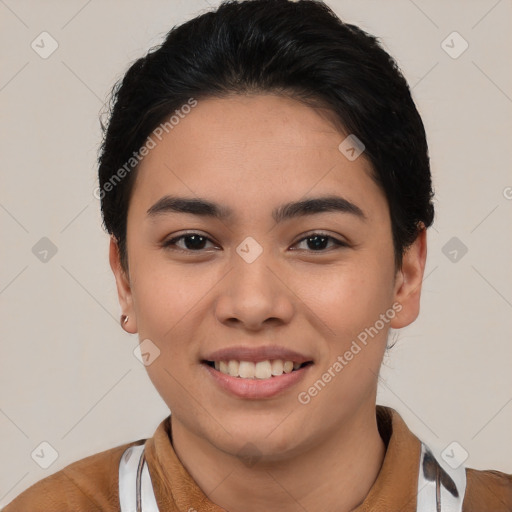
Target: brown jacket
{"points": [[91, 484]]}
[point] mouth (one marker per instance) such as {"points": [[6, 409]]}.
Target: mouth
{"points": [[256, 370], [254, 373]]}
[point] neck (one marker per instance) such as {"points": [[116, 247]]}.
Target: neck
{"points": [[334, 475]]}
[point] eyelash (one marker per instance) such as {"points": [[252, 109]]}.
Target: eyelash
{"points": [[337, 243]]}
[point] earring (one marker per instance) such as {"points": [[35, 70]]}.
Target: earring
{"points": [[124, 319]]}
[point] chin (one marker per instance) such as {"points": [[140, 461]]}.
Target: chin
{"points": [[268, 439]]}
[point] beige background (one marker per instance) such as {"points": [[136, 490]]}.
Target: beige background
{"points": [[67, 372]]}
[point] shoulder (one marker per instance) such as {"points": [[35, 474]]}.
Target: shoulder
{"points": [[89, 484], [487, 491]]}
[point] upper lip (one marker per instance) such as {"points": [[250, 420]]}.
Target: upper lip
{"points": [[256, 354]]}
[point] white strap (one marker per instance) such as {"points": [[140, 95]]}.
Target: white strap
{"points": [[440, 487], [135, 482]]}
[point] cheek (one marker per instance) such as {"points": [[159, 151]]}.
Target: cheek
{"points": [[167, 303], [350, 304], [349, 298], [170, 300]]}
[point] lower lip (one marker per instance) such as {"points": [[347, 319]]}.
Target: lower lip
{"points": [[257, 388]]}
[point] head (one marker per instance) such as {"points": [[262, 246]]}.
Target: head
{"points": [[265, 180]]}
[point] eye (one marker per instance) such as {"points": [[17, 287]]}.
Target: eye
{"points": [[193, 242], [318, 241]]}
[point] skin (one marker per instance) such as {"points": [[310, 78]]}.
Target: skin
{"points": [[324, 455]]}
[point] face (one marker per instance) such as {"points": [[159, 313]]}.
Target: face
{"points": [[262, 285]]}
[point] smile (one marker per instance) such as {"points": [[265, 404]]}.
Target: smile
{"points": [[256, 370]]}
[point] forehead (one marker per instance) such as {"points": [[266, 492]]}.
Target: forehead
{"points": [[253, 151]]}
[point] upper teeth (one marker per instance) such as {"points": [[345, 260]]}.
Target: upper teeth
{"points": [[259, 370]]}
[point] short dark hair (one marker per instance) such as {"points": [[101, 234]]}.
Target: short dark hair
{"points": [[298, 49]]}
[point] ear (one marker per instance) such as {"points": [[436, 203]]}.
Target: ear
{"points": [[408, 282], [124, 291]]}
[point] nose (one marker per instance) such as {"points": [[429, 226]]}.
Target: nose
{"points": [[254, 294]]}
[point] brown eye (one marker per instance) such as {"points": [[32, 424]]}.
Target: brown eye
{"points": [[191, 242], [317, 242]]}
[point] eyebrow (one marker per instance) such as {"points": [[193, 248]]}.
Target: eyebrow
{"points": [[294, 209]]}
